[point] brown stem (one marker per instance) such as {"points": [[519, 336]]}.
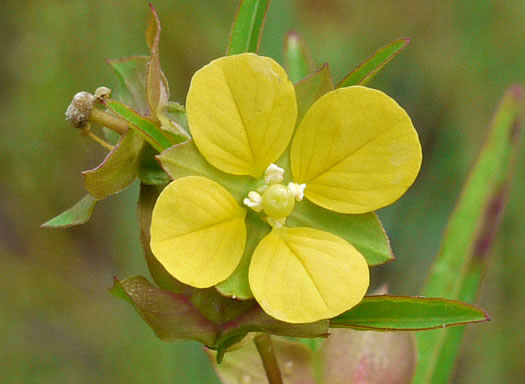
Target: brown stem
{"points": [[264, 345]]}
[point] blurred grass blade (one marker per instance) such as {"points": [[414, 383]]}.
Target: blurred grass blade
{"points": [[144, 126], [247, 27], [297, 59], [405, 313], [371, 66], [461, 262], [77, 214]]}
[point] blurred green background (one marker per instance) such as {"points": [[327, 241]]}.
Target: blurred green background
{"points": [[58, 323]]}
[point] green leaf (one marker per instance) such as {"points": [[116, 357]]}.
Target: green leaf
{"points": [[311, 88], [247, 27], [462, 259], [204, 315], [371, 66], [132, 74], [298, 63], [185, 160], [118, 170], [77, 214], [156, 137], [364, 232], [404, 313]]}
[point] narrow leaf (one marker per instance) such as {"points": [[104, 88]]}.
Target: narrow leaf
{"points": [[404, 313], [311, 88], [297, 59], [462, 258], [158, 138], [371, 66], [119, 168], [247, 27], [77, 214]]}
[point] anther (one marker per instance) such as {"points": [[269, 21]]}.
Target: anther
{"points": [[273, 174]]}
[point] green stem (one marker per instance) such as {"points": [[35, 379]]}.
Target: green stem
{"points": [[109, 121], [264, 345]]}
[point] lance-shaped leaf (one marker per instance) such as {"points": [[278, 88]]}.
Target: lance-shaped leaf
{"points": [[204, 315], [371, 66], [364, 231], [461, 261], [132, 74], [247, 27], [119, 168], [149, 131], [404, 313], [297, 59], [77, 214]]}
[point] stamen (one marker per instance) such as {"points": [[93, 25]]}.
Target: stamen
{"points": [[276, 223], [273, 174], [297, 190], [254, 201]]}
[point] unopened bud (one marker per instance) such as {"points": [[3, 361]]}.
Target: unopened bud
{"points": [[102, 93], [80, 109]]}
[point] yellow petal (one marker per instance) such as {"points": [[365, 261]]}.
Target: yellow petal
{"points": [[357, 151], [241, 112], [301, 275], [197, 231]]}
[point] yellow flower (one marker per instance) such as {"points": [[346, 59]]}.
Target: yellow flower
{"points": [[354, 151]]}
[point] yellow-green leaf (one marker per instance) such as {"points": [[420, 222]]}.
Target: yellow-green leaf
{"points": [[357, 151], [198, 231], [300, 275], [77, 214], [241, 111]]}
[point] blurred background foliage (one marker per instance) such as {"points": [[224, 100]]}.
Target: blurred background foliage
{"points": [[59, 323]]}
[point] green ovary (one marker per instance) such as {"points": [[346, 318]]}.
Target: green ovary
{"points": [[278, 201]]}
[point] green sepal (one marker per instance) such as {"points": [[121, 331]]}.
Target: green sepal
{"points": [[247, 27], [405, 313], [311, 88], [237, 284], [204, 315], [79, 213], [372, 65], [118, 170], [364, 231], [185, 160]]}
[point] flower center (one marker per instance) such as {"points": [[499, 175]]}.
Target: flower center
{"points": [[278, 201]]}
